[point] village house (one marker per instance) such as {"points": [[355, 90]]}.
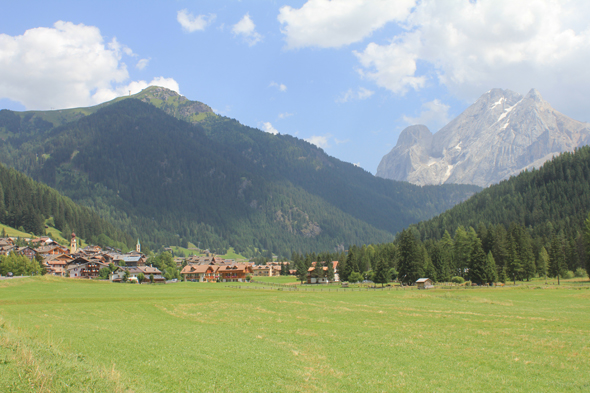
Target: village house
{"points": [[130, 260], [52, 250], [314, 278], [133, 274], [201, 273], [26, 251], [262, 271], [44, 241], [84, 268], [234, 273]]}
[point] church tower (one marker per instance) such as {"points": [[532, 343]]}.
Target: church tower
{"points": [[138, 246], [73, 245]]}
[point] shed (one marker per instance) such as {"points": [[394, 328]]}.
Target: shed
{"points": [[424, 283]]}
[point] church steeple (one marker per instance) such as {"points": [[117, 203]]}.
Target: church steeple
{"points": [[73, 245], [138, 246]]}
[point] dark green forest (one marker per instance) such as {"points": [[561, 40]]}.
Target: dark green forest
{"points": [[26, 204], [534, 224], [217, 183]]}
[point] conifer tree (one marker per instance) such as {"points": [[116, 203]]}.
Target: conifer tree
{"points": [[330, 272], [410, 263], [543, 262], [462, 251], [381, 273], [513, 264], [557, 264], [429, 269], [492, 269], [479, 269], [301, 272]]}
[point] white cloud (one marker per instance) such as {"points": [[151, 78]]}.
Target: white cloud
{"points": [[434, 114], [349, 95], [141, 64], [285, 115], [472, 46], [267, 127], [191, 23], [64, 66], [335, 23], [319, 140], [279, 86], [247, 30], [338, 141]]}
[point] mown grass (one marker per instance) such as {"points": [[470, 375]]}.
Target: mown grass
{"points": [[13, 232], [96, 336], [277, 279]]}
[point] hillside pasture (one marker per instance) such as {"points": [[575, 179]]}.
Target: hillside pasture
{"points": [[74, 335]]}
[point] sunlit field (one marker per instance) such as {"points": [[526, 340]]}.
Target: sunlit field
{"points": [[67, 335]]}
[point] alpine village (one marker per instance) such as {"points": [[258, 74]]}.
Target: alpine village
{"points": [[295, 196]]}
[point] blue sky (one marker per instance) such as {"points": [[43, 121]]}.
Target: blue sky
{"points": [[348, 75]]}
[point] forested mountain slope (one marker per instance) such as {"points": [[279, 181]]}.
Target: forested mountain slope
{"points": [[26, 203], [214, 181], [554, 198]]}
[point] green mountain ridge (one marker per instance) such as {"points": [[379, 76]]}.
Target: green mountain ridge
{"points": [[25, 203], [209, 179], [552, 199]]}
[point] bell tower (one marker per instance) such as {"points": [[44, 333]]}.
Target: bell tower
{"points": [[138, 246], [73, 245]]}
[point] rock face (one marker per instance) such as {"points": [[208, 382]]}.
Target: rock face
{"points": [[500, 135]]}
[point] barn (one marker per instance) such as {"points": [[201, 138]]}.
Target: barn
{"points": [[424, 283]]}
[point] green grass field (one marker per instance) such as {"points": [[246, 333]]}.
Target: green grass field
{"points": [[67, 335], [13, 232]]}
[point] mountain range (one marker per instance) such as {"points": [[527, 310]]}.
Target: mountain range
{"points": [[170, 171], [500, 135]]}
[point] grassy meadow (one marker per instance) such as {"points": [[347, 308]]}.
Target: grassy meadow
{"points": [[71, 335]]}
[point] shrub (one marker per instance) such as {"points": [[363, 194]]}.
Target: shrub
{"points": [[568, 274], [355, 277], [457, 280], [581, 273]]}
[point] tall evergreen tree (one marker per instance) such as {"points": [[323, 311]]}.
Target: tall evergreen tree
{"points": [[513, 265], [557, 265], [462, 251], [381, 272], [479, 270], [410, 263], [543, 263]]}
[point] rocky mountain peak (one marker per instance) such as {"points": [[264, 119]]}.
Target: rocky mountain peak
{"points": [[414, 134], [175, 104], [498, 136]]}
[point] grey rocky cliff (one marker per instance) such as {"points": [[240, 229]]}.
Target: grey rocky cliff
{"points": [[498, 136]]}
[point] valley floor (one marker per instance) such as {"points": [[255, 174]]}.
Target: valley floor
{"points": [[70, 335]]}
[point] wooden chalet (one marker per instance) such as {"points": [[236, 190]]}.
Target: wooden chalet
{"points": [[133, 274], [130, 260], [6, 241], [201, 273], [234, 273], [266, 270], [52, 250], [26, 251], [312, 278], [44, 241], [424, 283], [83, 268]]}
